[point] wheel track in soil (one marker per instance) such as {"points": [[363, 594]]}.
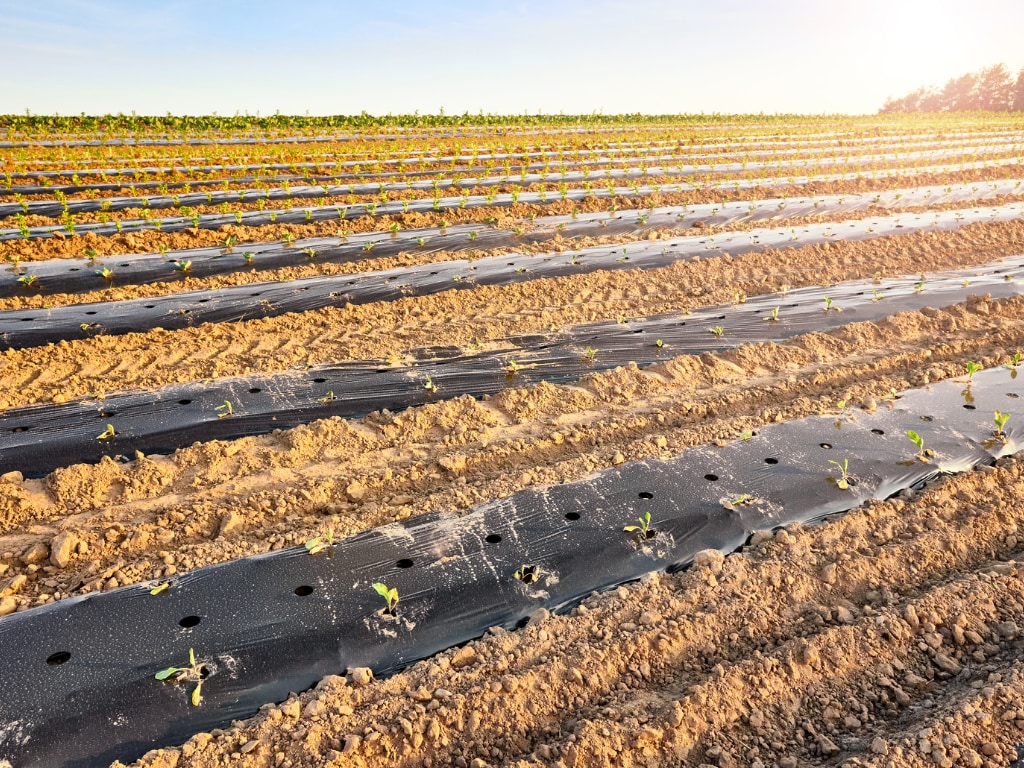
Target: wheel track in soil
{"points": [[386, 330], [702, 668]]}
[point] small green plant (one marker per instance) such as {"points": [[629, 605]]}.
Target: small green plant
{"points": [[919, 286], [528, 574], [311, 253], [159, 589], [229, 242], [1015, 360], [106, 273], [659, 343], [390, 595], [421, 241], [923, 454], [972, 368], [589, 354], [328, 398], [743, 500], [193, 673], [107, 434], [91, 254], [183, 266], [248, 256], [429, 385], [844, 481], [318, 544], [643, 530], [717, 330], [511, 368], [1000, 420], [225, 410], [830, 306], [29, 281], [773, 317]]}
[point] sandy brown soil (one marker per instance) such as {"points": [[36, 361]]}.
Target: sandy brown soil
{"points": [[890, 636]]}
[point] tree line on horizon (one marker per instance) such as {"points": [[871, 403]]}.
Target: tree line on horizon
{"points": [[993, 89]]}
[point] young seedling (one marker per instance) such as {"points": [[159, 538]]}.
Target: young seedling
{"points": [[923, 454], [429, 385], [659, 343], [1015, 360], [512, 368], [844, 481], [589, 354], [29, 281], [328, 398], [318, 544], [829, 306], [225, 410], [717, 330], [773, 317], [528, 574], [643, 530], [183, 266], [390, 595], [194, 672], [743, 500], [972, 368], [248, 256], [106, 273], [311, 253], [1000, 420], [107, 434], [159, 589]]}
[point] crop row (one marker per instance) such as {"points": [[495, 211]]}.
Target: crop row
{"points": [[94, 272], [393, 595], [56, 201], [36, 440], [497, 160], [22, 328], [243, 215]]}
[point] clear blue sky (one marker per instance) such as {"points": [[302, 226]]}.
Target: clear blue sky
{"points": [[188, 56]]}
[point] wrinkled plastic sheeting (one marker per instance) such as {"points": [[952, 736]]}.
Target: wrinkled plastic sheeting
{"points": [[78, 675], [38, 439], [33, 327], [82, 275]]}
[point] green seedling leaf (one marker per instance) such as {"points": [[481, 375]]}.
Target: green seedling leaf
{"points": [[972, 368], [160, 588], [842, 482], [644, 529], [390, 595], [107, 433], [1001, 419]]}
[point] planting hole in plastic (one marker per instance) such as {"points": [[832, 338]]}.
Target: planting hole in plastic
{"points": [[56, 659], [304, 590], [878, 431], [189, 621], [826, 446], [492, 538], [969, 407], [711, 477], [404, 563], [184, 402], [255, 390], [771, 460], [572, 515], [645, 495]]}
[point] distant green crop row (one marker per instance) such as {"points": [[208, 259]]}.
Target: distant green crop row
{"points": [[29, 123]]}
